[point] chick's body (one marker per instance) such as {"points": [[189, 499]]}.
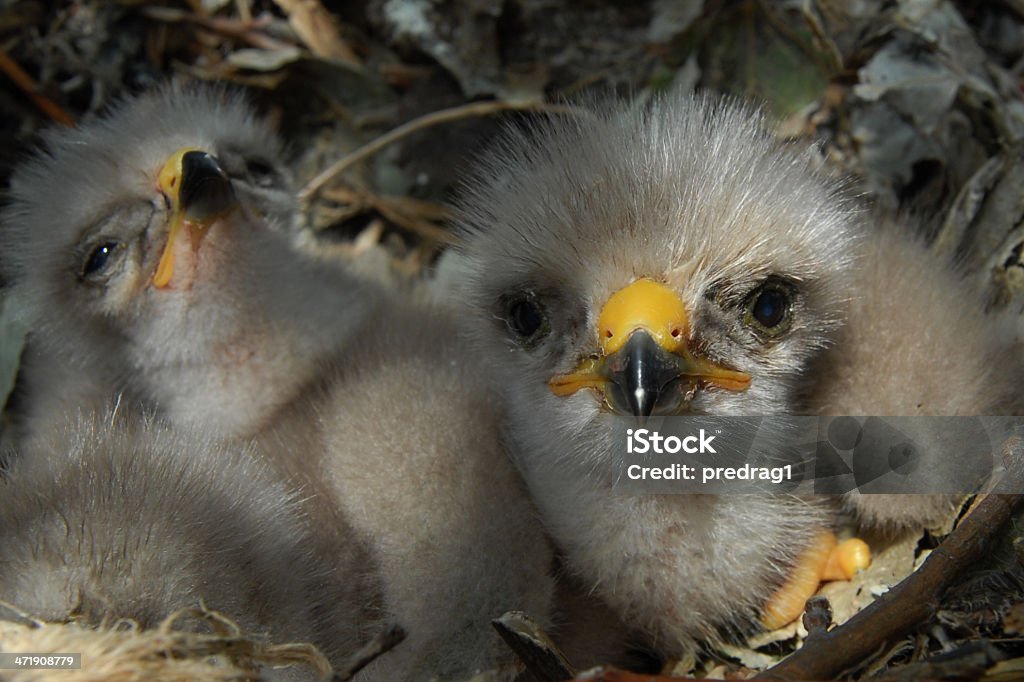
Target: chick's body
{"points": [[916, 342], [117, 517], [414, 460]]}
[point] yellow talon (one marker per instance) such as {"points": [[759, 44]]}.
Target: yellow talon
{"points": [[848, 557], [824, 559], [787, 603]]}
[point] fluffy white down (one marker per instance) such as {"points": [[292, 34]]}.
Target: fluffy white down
{"points": [[366, 407], [693, 192]]}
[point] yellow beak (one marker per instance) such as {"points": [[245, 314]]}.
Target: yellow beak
{"points": [[645, 364], [200, 193]]}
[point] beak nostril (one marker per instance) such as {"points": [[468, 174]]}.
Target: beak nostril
{"points": [[676, 332], [608, 333]]}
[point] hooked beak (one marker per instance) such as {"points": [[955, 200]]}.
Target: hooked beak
{"points": [[646, 366], [200, 193]]}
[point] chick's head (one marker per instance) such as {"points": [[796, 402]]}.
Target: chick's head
{"points": [[142, 230], [669, 258]]}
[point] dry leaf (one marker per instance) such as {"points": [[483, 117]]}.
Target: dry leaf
{"points": [[1013, 622], [263, 60], [317, 29]]}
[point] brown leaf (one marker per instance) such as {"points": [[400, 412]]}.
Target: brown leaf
{"points": [[317, 29], [1013, 622]]}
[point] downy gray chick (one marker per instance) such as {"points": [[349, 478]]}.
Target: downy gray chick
{"points": [[122, 517], [675, 259], [370, 406], [917, 342], [671, 258], [189, 182]]}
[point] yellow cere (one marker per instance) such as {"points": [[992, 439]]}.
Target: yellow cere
{"points": [[644, 304], [661, 313]]}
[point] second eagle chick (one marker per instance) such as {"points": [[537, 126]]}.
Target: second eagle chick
{"points": [[150, 251], [172, 286]]}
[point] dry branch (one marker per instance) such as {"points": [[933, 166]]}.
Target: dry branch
{"points": [[29, 87]]}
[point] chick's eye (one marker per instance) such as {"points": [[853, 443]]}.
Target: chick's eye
{"points": [[261, 172], [525, 317], [100, 259], [769, 308]]}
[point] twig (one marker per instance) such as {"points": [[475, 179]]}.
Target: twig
{"points": [[472, 110], [29, 87], [817, 617], [33, 622], [244, 11], [534, 648], [610, 674], [413, 215], [391, 209], [248, 31], [380, 644], [912, 601]]}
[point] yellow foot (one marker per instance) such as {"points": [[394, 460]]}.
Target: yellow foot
{"points": [[823, 560], [848, 557]]}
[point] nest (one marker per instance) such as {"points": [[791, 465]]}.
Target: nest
{"points": [[169, 653]]}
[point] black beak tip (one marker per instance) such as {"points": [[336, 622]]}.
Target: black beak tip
{"points": [[643, 379], [206, 189], [641, 402]]}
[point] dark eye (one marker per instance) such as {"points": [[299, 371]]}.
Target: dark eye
{"points": [[525, 317], [99, 259], [769, 307], [261, 172]]}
